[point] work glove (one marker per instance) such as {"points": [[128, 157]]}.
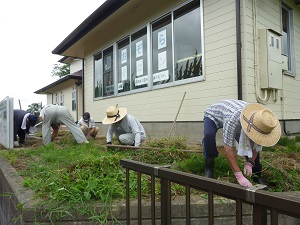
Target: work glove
{"points": [[242, 180], [248, 169]]}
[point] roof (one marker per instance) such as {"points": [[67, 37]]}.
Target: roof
{"points": [[75, 76], [98, 16]]}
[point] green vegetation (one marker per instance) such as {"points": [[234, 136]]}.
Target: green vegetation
{"points": [[71, 176]]}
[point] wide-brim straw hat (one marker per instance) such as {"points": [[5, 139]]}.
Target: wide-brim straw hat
{"points": [[114, 114], [260, 124]]}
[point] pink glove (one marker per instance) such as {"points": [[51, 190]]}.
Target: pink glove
{"points": [[242, 180], [248, 169]]}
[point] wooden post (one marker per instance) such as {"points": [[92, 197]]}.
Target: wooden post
{"points": [[177, 114]]}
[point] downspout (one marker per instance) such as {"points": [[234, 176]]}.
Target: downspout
{"points": [[239, 49], [83, 75]]}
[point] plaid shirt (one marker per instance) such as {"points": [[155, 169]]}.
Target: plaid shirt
{"points": [[226, 115]]}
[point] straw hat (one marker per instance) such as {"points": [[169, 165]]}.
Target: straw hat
{"points": [[260, 124], [114, 114]]}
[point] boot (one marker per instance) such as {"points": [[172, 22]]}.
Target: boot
{"points": [[209, 167], [257, 178]]}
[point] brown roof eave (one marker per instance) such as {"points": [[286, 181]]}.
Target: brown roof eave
{"points": [[99, 15], [75, 76]]}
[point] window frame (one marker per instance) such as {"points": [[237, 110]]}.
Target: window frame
{"points": [[74, 99], [290, 40], [149, 38]]}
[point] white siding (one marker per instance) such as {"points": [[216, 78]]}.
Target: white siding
{"points": [[162, 104], [286, 105]]}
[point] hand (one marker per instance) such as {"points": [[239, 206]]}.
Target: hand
{"points": [[242, 180], [248, 169], [108, 143]]}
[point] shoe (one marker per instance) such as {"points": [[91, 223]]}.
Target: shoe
{"points": [[16, 144], [209, 167], [258, 180], [85, 142]]}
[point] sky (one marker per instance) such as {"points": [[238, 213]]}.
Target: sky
{"points": [[30, 31]]}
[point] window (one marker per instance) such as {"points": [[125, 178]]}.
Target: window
{"points": [[56, 99], [123, 66], [108, 76], [139, 69], [288, 38], [162, 65], [74, 100], [98, 71], [187, 48], [167, 51], [61, 102]]}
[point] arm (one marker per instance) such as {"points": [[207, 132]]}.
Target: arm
{"points": [[254, 155], [93, 126], [109, 134], [137, 133], [79, 123], [229, 152], [231, 158]]}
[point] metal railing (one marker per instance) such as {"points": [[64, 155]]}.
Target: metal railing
{"points": [[261, 200]]}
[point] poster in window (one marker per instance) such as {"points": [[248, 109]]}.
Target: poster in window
{"points": [[139, 48], [162, 39], [162, 60], [107, 63], [161, 76], [139, 67], [124, 73], [139, 81], [123, 56]]}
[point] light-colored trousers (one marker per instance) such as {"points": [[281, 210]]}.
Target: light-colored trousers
{"points": [[56, 114], [125, 138]]}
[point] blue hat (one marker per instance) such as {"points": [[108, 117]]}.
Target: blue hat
{"points": [[32, 120], [86, 116]]}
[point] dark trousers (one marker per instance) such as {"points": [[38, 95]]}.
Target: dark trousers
{"points": [[210, 147], [22, 134]]}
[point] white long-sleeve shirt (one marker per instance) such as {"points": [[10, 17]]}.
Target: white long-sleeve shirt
{"points": [[130, 125]]}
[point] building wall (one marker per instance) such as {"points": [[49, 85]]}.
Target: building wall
{"points": [[75, 66], [158, 107], [162, 104], [286, 103]]}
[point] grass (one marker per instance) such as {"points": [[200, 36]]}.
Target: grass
{"points": [[67, 175]]}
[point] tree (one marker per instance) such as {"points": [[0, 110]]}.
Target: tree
{"points": [[35, 108], [60, 70]]}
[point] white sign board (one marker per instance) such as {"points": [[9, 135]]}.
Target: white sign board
{"points": [[7, 123]]}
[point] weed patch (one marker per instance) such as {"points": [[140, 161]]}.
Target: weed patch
{"points": [[71, 176]]}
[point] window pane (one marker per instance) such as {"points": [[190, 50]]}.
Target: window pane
{"points": [[162, 65], [285, 28], [98, 68], [139, 69], [74, 101], [187, 48], [108, 78], [123, 66]]}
